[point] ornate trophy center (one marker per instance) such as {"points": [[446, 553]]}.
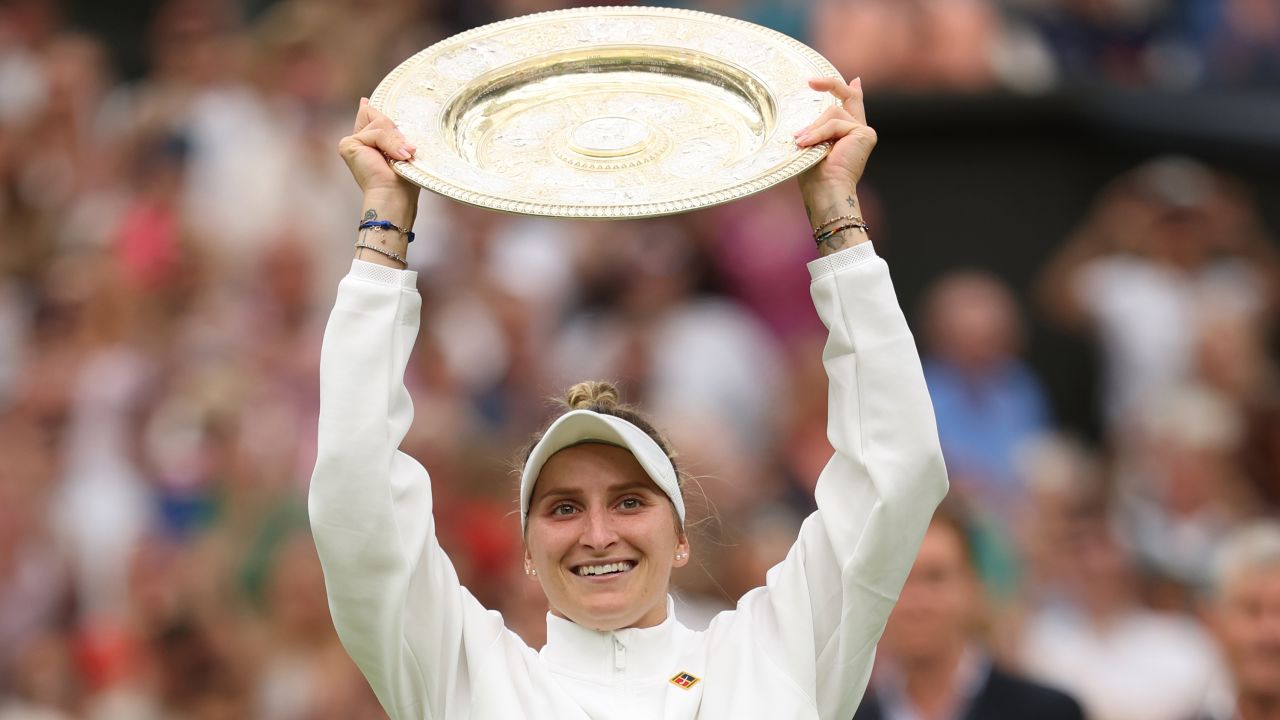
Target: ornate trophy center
{"points": [[609, 137]]}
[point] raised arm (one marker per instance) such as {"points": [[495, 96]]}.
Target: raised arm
{"points": [[394, 596], [387, 196], [830, 188], [824, 607]]}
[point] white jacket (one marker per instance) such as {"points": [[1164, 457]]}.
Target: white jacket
{"points": [[799, 647]]}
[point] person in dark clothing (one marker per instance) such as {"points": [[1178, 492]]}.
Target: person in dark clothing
{"points": [[931, 666]]}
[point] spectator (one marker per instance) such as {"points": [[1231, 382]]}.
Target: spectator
{"points": [[988, 402], [34, 584], [1179, 486], [1232, 359], [1243, 47], [960, 36], [932, 664], [1244, 613], [1163, 244], [47, 682], [1093, 41], [1091, 635]]}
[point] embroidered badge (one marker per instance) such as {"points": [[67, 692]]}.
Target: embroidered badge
{"points": [[685, 680]]}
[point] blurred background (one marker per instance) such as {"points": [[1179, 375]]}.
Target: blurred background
{"points": [[1079, 200]]}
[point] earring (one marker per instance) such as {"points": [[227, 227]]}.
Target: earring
{"points": [[530, 570], [680, 556]]}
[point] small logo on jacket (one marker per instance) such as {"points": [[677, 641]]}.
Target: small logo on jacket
{"points": [[684, 680]]}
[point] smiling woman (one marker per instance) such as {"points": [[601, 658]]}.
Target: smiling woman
{"points": [[603, 513], [601, 504]]}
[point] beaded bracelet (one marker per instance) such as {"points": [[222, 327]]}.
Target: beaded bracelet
{"points": [[386, 225], [389, 253], [833, 221], [825, 235]]}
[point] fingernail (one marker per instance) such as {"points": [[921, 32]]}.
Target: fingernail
{"points": [[364, 101], [402, 154], [858, 81], [803, 138]]}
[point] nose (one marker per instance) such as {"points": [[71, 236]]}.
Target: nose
{"points": [[598, 532]]}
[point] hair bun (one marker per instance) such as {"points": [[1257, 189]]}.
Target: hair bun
{"points": [[592, 395]]}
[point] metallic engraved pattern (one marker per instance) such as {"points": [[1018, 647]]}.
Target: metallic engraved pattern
{"points": [[606, 112]]}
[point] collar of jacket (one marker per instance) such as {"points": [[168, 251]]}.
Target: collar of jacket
{"points": [[639, 653]]}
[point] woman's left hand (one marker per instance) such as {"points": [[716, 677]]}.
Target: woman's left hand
{"points": [[846, 125], [830, 187]]}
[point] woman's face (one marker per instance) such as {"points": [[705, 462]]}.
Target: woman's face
{"points": [[603, 538]]}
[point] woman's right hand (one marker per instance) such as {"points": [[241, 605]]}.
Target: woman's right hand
{"points": [[370, 147], [368, 152]]}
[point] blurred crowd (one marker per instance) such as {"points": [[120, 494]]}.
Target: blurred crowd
{"points": [[172, 242]]}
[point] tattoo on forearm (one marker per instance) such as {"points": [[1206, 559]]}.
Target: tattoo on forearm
{"points": [[835, 242], [365, 234], [362, 236], [850, 201]]}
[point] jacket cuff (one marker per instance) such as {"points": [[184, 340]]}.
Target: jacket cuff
{"points": [[383, 275], [850, 256]]}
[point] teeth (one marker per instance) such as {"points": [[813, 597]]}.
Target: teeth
{"points": [[586, 570]]}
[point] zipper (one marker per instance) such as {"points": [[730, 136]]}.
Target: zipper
{"points": [[619, 655]]}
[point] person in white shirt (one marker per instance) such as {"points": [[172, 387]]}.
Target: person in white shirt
{"points": [[601, 505]]}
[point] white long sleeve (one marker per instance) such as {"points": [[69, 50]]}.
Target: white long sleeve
{"points": [[394, 595], [824, 607]]}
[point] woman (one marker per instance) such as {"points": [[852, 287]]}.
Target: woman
{"points": [[601, 507]]}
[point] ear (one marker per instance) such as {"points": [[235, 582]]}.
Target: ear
{"points": [[529, 569], [681, 551]]}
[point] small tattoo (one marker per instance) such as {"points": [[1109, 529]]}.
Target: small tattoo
{"points": [[850, 201], [835, 242], [370, 214]]}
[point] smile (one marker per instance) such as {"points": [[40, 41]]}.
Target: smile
{"points": [[605, 570]]}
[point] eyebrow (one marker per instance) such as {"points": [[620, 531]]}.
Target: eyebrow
{"points": [[612, 489]]}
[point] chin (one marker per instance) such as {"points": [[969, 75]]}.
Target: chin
{"points": [[606, 613], [920, 649], [605, 618]]}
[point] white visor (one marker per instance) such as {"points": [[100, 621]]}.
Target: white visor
{"points": [[579, 426]]}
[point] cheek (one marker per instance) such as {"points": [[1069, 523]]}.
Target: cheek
{"points": [[660, 546], [545, 543]]}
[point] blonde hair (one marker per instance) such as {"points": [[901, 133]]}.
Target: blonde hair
{"points": [[595, 395]]}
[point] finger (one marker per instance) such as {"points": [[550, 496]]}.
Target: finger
{"points": [[378, 121], [834, 85], [855, 104], [835, 111], [834, 128], [388, 141], [849, 94], [362, 116], [369, 115]]}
